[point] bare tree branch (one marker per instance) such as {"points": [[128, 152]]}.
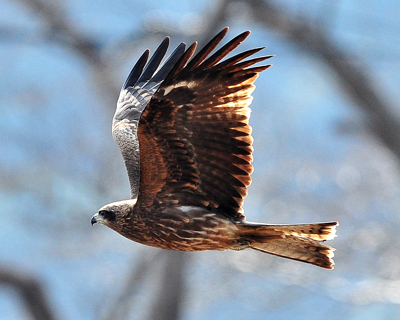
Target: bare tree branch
{"points": [[31, 291], [59, 25], [119, 308], [356, 82], [61, 30], [168, 302]]}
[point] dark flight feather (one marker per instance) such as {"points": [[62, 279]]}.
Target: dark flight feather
{"points": [[169, 64], [208, 48], [136, 70], [225, 50], [155, 61], [200, 112]]}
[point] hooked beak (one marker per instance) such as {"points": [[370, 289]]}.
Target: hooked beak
{"points": [[94, 219]]}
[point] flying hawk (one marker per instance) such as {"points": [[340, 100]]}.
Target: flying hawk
{"points": [[184, 135]]}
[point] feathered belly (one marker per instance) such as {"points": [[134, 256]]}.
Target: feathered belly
{"points": [[185, 229]]}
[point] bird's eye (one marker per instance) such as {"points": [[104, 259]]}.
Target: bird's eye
{"points": [[108, 215]]}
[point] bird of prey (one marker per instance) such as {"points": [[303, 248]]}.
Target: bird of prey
{"points": [[183, 132]]}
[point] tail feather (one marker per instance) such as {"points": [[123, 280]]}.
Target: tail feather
{"points": [[298, 242]]}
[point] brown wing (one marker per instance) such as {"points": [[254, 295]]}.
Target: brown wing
{"points": [[194, 136]]}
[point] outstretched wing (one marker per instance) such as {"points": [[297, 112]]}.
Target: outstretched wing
{"points": [[194, 136], [134, 97]]}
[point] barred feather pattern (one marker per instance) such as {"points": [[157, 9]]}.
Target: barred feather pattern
{"points": [[300, 242], [198, 119]]}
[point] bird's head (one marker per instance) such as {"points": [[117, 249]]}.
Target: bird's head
{"points": [[114, 214]]}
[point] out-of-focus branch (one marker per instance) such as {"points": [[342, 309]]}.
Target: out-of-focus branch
{"points": [[356, 82], [168, 301], [119, 309], [59, 26], [30, 290], [61, 30]]}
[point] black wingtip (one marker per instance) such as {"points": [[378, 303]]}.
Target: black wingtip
{"points": [[137, 70], [169, 64], [155, 61]]}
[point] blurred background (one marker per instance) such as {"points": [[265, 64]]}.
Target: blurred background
{"points": [[326, 126]]}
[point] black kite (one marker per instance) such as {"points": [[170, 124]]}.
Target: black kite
{"points": [[184, 135]]}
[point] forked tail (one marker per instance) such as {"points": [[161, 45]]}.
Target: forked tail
{"points": [[300, 242]]}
